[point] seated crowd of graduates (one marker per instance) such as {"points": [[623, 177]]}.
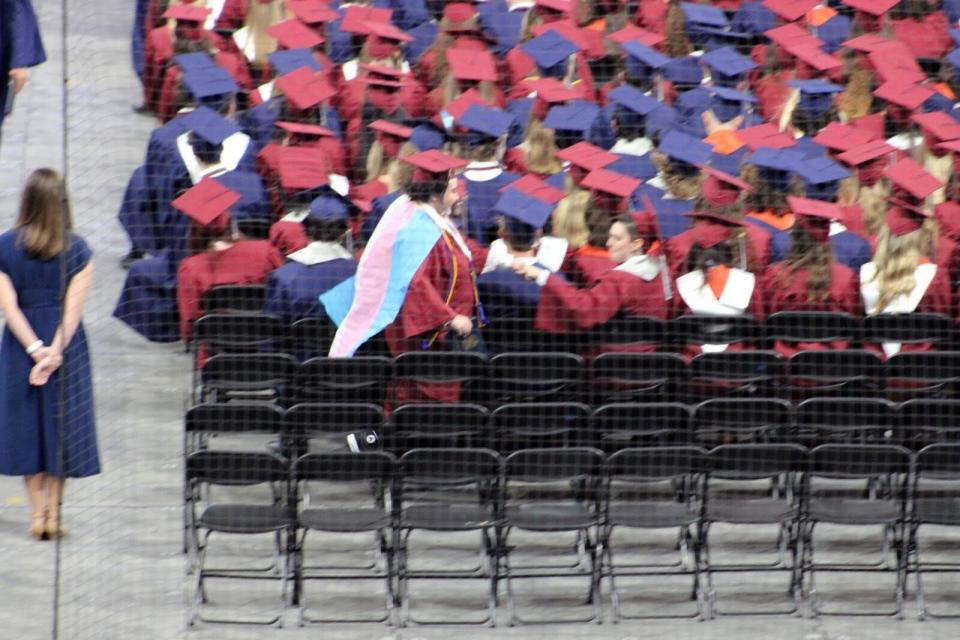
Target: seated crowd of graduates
{"points": [[583, 161]]}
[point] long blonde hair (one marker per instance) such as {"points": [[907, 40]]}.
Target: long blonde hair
{"points": [[897, 258], [260, 17], [678, 185], [873, 202], [45, 221], [570, 219], [856, 99], [540, 147]]}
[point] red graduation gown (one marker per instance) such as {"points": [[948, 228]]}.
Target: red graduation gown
{"points": [[652, 16], [678, 248], [245, 262], [425, 312], [157, 52], [587, 265], [927, 38], [784, 291]]}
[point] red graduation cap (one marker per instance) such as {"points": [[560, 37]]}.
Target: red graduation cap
{"points": [[357, 19], [790, 10], [301, 168], [463, 102], [387, 31], [872, 123], [293, 34], [586, 156], [433, 164], [948, 217], [815, 208], [588, 41], [551, 90], [712, 228], [305, 129], [912, 178], [305, 88], [866, 43], [764, 135], [536, 188], [381, 70], [866, 152], [187, 13], [312, 11], [791, 34], [633, 33], [812, 55], [903, 219], [893, 61], [720, 188], [391, 128], [842, 137], [207, 203], [937, 127], [459, 11], [903, 93], [610, 182], [873, 7], [951, 145], [469, 64]]}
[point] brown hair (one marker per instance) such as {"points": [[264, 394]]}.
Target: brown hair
{"points": [[598, 225], [44, 222], [856, 99], [815, 257], [677, 44], [540, 148]]}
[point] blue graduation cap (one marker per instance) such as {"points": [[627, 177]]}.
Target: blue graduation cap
{"points": [[711, 38], [727, 66], [427, 137], [955, 34], [549, 50], [730, 163], [816, 96], [520, 109], [822, 176], [576, 116], [517, 206], [328, 207], [642, 60], [954, 58], [289, 60], [834, 32], [209, 83], [639, 167], [683, 148], [194, 61], [753, 18], [703, 14], [484, 124], [776, 165], [209, 125], [254, 201], [727, 104], [732, 95], [423, 37], [684, 72], [632, 99]]}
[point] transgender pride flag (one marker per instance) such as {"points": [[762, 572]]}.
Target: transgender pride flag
{"points": [[363, 305]]}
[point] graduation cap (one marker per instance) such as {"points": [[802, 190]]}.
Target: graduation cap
{"points": [[639, 167], [642, 61], [551, 90], [301, 169], [585, 157], [903, 220], [724, 142], [586, 40], [790, 10], [459, 12], [209, 125], [210, 85], [948, 217], [383, 39], [357, 19], [328, 207], [684, 72], [537, 188], [903, 93], [937, 127], [194, 61], [522, 208], [207, 203], [305, 88], [765, 135], [791, 34], [632, 99], [893, 61], [293, 34], [866, 43], [433, 165], [289, 60], [312, 11], [868, 160], [394, 129], [633, 33], [484, 124], [721, 188], [811, 55], [875, 8], [727, 66], [816, 96], [951, 145], [842, 137], [712, 228], [427, 137], [909, 176], [302, 128], [470, 64], [785, 160], [187, 12], [703, 14], [549, 51], [815, 216], [572, 117], [610, 183], [822, 177], [685, 149]]}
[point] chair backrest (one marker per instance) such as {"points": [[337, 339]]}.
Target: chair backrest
{"points": [[737, 366], [552, 465], [632, 424], [453, 465], [626, 329], [755, 461], [836, 365], [344, 466], [248, 371], [235, 467], [358, 379], [311, 336], [926, 420], [858, 461], [520, 425], [860, 419], [332, 418], [440, 366], [645, 464], [428, 425], [754, 419], [234, 417], [241, 298], [534, 376], [504, 335], [232, 331], [939, 461], [627, 368], [908, 327], [812, 326], [703, 329], [942, 366]]}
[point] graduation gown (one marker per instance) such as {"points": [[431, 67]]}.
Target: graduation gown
{"points": [[377, 209], [20, 44], [740, 296], [678, 248], [484, 180], [170, 83], [244, 262], [787, 291], [932, 294], [293, 290], [927, 38], [849, 248], [148, 299]]}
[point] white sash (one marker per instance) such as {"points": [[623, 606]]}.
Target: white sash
{"points": [[870, 291], [234, 148]]}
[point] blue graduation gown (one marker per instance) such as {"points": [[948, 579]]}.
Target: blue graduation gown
{"points": [[670, 212], [508, 296], [138, 35], [294, 290], [378, 207], [148, 300], [481, 221], [20, 44], [134, 215], [254, 203]]}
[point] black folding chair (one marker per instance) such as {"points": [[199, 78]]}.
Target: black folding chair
{"points": [[630, 331], [369, 475], [936, 501], [239, 298], [878, 498], [444, 367], [447, 491], [716, 330], [553, 491], [750, 485], [621, 377], [263, 377], [523, 425], [846, 420], [504, 335], [735, 374], [237, 332], [908, 328], [535, 377], [733, 420], [414, 426], [357, 379], [915, 374], [326, 424], [799, 327], [207, 468], [639, 424], [642, 494], [926, 421], [834, 372], [311, 337]]}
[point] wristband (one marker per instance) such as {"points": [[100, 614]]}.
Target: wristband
{"points": [[33, 348]]}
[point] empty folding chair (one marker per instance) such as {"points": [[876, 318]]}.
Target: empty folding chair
{"points": [[447, 491], [237, 332], [927, 421], [866, 420], [238, 298], [636, 424], [908, 328], [521, 425], [716, 330], [263, 377], [311, 337], [799, 329], [344, 493], [878, 498], [841, 372], [415, 426], [553, 491], [653, 488], [732, 420], [936, 501], [325, 425], [751, 485], [915, 374], [205, 469], [357, 379], [443, 370], [626, 332], [533, 377], [621, 377], [735, 374]]}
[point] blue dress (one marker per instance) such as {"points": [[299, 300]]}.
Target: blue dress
{"points": [[29, 423]]}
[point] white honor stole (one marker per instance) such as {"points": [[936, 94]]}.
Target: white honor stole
{"points": [[904, 303], [733, 301]]}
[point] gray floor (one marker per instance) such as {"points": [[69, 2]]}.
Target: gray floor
{"points": [[121, 572]]}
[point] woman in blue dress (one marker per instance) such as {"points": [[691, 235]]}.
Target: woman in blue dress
{"points": [[43, 354]]}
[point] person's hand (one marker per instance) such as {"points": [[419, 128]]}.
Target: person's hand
{"points": [[41, 372], [462, 325], [528, 271], [42, 353], [19, 77], [712, 123]]}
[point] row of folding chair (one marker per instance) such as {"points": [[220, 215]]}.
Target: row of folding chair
{"points": [[582, 493], [510, 377]]}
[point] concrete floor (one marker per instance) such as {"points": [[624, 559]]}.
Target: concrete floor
{"points": [[120, 573]]}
